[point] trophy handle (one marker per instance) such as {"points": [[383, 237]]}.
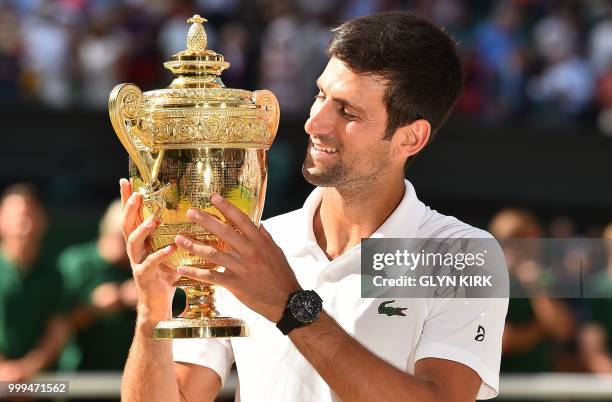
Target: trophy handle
{"points": [[124, 107], [267, 101]]}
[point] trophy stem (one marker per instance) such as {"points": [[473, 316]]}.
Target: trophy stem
{"points": [[200, 318], [200, 301]]}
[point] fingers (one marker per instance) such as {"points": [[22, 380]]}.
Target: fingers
{"points": [[216, 227], [211, 254], [129, 217], [236, 216], [125, 189], [136, 246], [157, 258], [206, 275], [266, 234], [169, 274]]}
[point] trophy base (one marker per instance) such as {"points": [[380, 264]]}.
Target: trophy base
{"points": [[205, 327]]}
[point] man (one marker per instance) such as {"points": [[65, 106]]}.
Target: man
{"points": [[100, 294], [391, 82], [595, 338], [535, 322], [32, 330]]}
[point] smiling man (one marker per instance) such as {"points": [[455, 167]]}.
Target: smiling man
{"points": [[391, 82]]}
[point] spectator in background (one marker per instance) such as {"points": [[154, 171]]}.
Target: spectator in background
{"points": [[46, 54], [567, 82], [595, 338], [99, 53], [280, 64], [561, 227], [600, 46], [233, 46], [533, 323], [32, 330], [497, 42], [100, 295], [9, 53]]}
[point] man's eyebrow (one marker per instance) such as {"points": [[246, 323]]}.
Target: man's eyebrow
{"points": [[342, 101]]}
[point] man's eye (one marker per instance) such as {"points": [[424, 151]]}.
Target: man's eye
{"points": [[347, 115], [320, 97]]}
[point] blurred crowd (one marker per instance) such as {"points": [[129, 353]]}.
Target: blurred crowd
{"points": [[560, 311], [550, 61], [68, 310], [74, 310]]}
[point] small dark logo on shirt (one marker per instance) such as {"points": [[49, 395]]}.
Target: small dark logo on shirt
{"points": [[480, 334], [384, 309]]}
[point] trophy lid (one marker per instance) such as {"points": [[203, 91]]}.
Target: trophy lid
{"points": [[196, 109], [197, 66]]}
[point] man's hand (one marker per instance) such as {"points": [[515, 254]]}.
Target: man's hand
{"points": [[18, 369], [256, 270], [154, 280], [105, 298]]}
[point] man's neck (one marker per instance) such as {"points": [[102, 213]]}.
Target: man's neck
{"points": [[345, 216]]}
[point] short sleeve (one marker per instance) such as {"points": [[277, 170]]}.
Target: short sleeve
{"points": [[216, 354], [468, 331]]}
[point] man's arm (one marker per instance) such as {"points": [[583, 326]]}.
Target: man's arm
{"points": [[593, 350], [151, 375], [554, 317], [355, 374], [43, 355], [521, 338]]}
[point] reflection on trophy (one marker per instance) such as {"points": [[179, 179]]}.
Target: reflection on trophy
{"points": [[187, 142]]}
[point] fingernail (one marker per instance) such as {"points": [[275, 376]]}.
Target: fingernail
{"points": [[151, 221], [192, 213], [133, 198], [182, 270], [168, 249], [122, 181], [215, 198]]}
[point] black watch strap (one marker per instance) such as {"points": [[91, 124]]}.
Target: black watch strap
{"points": [[287, 323], [290, 321]]}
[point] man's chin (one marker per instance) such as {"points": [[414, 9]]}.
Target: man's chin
{"points": [[317, 177]]}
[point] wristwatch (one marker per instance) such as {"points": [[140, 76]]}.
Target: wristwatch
{"points": [[303, 307]]}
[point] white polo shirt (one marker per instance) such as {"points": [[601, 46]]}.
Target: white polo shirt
{"points": [[271, 369]]}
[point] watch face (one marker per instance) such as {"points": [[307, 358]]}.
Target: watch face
{"points": [[305, 306]]}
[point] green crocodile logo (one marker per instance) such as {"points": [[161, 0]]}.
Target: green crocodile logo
{"points": [[390, 311]]}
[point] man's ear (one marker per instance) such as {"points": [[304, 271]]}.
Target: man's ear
{"points": [[413, 137]]}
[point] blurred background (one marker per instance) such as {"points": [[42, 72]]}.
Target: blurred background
{"points": [[527, 153]]}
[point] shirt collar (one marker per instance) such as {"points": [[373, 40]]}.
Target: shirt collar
{"points": [[403, 222]]}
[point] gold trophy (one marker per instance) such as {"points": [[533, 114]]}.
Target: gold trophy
{"points": [[187, 142]]}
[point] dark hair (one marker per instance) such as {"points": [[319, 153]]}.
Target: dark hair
{"points": [[416, 59]]}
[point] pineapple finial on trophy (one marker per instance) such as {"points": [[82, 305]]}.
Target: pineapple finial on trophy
{"points": [[196, 37]]}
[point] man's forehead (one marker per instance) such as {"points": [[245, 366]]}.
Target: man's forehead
{"points": [[19, 200], [337, 76]]}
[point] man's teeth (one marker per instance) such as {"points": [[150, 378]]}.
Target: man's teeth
{"points": [[328, 150]]}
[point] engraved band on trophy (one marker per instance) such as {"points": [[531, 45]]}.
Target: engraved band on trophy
{"points": [[187, 142]]}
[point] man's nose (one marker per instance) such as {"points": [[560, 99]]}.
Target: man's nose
{"points": [[322, 118]]}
